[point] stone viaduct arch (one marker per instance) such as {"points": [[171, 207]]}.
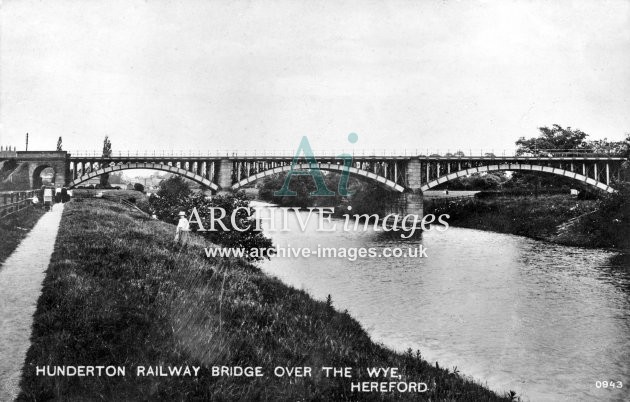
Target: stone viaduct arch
{"points": [[37, 170], [30, 164]]}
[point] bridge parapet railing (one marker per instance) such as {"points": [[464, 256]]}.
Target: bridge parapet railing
{"points": [[219, 153], [406, 152]]}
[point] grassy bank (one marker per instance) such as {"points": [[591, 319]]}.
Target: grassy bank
{"points": [[138, 198], [118, 293], [15, 227], [540, 218]]}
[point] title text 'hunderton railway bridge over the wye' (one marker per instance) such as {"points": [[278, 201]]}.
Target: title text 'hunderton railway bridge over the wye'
{"points": [[408, 175]]}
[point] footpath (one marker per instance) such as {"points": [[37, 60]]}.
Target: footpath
{"points": [[21, 278]]}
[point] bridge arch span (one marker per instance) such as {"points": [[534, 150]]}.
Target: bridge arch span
{"points": [[36, 179], [145, 165], [518, 167], [331, 167]]}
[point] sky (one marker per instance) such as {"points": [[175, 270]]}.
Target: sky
{"points": [[254, 75]]}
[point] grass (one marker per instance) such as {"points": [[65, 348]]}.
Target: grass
{"points": [[137, 197], [117, 292], [107, 193], [15, 227]]}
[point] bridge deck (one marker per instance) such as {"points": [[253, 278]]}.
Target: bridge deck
{"points": [[355, 157]]}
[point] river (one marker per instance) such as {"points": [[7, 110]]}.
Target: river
{"points": [[544, 320]]}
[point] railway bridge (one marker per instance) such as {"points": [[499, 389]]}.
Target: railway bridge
{"points": [[407, 175]]}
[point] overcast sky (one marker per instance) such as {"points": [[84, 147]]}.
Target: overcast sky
{"points": [[259, 75]]}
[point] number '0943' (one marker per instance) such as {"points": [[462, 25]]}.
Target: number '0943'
{"points": [[608, 384]]}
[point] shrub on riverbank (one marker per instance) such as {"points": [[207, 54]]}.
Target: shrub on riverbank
{"points": [[241, 226], [537, 218], [117, 292], [15, 227], [558, 218], [607, 226]]}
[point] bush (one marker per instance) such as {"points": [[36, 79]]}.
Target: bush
{"points": [[174, 195], [303, 186], [10, 164], [138, 187], [609, 226], [8, 167]]}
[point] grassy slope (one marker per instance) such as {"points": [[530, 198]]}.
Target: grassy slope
{"points": [[537, 218], [117, 293], [15, 227], [136, 197]]}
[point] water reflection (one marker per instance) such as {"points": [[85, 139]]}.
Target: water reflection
{"points": [[544, 320]]}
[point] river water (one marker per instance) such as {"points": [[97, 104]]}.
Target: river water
{"points": [[544, 320]]}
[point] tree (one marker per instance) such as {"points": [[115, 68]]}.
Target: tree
{"points": [[175, 195], [107, 153], [248, 239], [476, 181], [166, 202], [611, 147], [555, 138], [173, 187], [115, 178], [303, 186], [370, 198], [550, 141], [59, 144]]}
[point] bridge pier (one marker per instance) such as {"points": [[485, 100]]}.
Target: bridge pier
{"points": [[411, 201], [224, 176]]}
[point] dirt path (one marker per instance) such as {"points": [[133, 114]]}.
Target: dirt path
{"points": [[21, 278]]}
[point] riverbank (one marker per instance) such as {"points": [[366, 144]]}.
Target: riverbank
{"points": [[15, 227], [118, 293], [559, 219]]}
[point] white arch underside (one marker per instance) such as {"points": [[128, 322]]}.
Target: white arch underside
{"points": [[155, 166], [520, 167], [323, 166]]}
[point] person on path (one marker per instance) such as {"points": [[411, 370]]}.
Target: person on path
{"points": [[181, 232]]}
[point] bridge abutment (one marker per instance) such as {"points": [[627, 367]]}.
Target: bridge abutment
{"points": [[32, 163]]}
